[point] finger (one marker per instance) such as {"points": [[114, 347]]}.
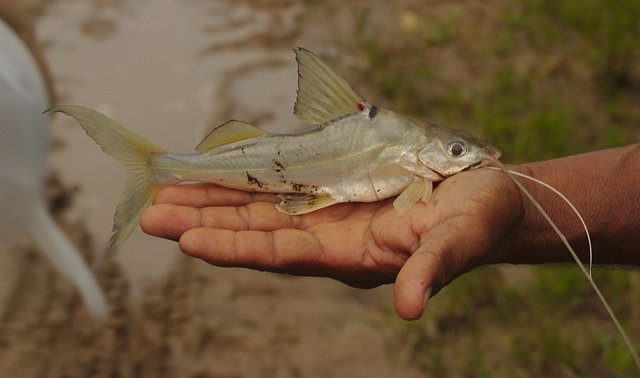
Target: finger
{"points": [[171, 221], [289, 250], [203, 194], [415, 282], [335, 251]]}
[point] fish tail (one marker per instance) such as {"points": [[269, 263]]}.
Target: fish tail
{"points": [[131, 150]]}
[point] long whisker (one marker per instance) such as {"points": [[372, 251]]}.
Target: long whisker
{"points": [[565, 199], [622, 332]]}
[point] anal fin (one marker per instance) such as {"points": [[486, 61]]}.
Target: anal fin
{"points": [[302, 203], [420, 189]]}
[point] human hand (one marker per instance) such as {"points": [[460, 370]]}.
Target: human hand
{"points": [[361, 244]]}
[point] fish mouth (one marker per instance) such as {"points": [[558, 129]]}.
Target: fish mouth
{"points": [[439, 176], [475, 165], [442, 176]]}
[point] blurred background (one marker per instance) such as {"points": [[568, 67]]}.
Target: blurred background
{"points": [[538, 78]]}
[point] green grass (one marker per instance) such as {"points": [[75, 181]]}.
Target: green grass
{"points": [[605, 33], [538, 111], [547, 79], [550, 326]]}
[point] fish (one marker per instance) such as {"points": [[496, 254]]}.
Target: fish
{"points": [[356, 152]]}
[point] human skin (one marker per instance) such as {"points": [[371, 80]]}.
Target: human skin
{"points": [[474, 218]]}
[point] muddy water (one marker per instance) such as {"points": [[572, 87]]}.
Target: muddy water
{"points": [[170, 71]]}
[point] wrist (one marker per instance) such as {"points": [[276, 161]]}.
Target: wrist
{"points": [[514, 214], [533, 240]]}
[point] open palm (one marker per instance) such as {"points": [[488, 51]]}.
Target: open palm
{"points": [[361, 244]]}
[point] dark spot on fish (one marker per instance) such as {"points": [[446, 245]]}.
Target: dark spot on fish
{"points": [[298, 187], [279, 166], [242, 150], [361, 107], [373, 111], [254, 181]]}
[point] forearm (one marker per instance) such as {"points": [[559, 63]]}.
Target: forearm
{"points": [[604, 186]]}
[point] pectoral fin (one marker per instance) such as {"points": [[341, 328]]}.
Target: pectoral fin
{"points": [[427, 191], [323, 96], [302, 203], [420, 189]]}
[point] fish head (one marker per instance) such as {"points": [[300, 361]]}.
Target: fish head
{"points": [[452, 151]]}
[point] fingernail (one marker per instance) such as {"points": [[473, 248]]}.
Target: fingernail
{"points": [[427, 295]]}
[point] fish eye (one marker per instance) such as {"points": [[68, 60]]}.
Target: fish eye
{"points": [[456, 148]]}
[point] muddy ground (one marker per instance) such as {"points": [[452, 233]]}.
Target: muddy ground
{"points": [[173, 69], [180, 317]]}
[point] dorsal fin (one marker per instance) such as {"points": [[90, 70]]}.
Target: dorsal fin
{"points": [[323, 96], [228, 132]]}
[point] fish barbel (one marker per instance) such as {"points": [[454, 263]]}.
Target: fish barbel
{"points": [[356, 153]]}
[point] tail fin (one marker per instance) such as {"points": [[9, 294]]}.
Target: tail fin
{"points": [[131, 150], [65, 257]]}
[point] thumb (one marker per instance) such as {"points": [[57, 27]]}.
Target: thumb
{"points": [[415, 282]]}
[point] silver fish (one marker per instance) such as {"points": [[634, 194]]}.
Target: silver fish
{"points": [[356, 153]]}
